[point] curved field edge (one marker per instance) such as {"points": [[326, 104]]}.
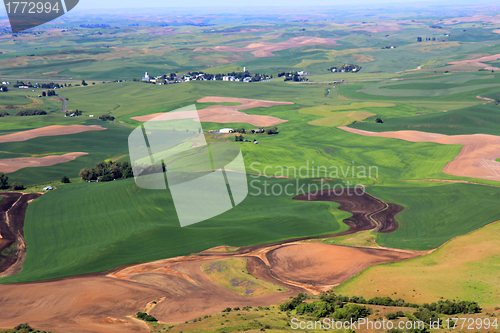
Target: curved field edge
{"points": [[233, 274], [436, 212], [73, 231], [468, 265]]}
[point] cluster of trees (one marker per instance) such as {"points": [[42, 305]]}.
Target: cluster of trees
{"points": [[292, 76], [146, 317], [453, 307], [24, 328], [48, 93], [379, 121], [3, 114], [395, 315], [237, 75], [239, 138], [331, 304], [76, 113], [22, 84], [326, 307], [268, 131], [107, 117], [4, 183], [26, 113], [272, 130], [346, 68], [107, 171], [51, 85], [4, 89]]}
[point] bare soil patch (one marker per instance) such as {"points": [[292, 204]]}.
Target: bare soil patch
{"points": [[477, 63], [265, 49], [14, 164], [48, 131], [475, 18], [325, 265], [489, 100], [224, 113], [76, 305], [477, 158], [367, 211], [12, 212]]}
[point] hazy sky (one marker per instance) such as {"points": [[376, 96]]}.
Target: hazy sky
{"points": [[93, 4]]}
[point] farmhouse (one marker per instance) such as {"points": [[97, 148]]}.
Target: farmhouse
{"points": [[226, 130]]}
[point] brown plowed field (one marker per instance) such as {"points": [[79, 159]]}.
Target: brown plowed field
{"points": [[477, 158], [326, 265], [479, 62], [224, 113], [12, 212], [13, 164], [75, 305], [266, 49], [48, 131], [367, 211]]}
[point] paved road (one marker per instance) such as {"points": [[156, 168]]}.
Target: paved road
{"points": [[64, 103]]}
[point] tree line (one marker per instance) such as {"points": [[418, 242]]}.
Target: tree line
{"points": [[107, 171], [330, 303], [107, 117], [26, 113], [268, 131], [48, 93], [4, 183]]}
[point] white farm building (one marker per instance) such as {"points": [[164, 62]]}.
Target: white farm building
{"points": [[226, 130]]}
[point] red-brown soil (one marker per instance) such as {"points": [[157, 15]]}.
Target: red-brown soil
{"points": [[479, 63], [266, 49], [489, 100], [13, 164], [325, 265], [367, 211], [477, 158], [75, 305], [102, 303], [13, 209], [48, 131], [475, 18], [223, 113]]}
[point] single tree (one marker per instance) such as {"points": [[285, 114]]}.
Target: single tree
{"points": [[4, 181], [65, 180]]}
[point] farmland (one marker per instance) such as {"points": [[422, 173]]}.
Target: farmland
{"points": [[416, 127], [145, 227], [421, 279]]}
